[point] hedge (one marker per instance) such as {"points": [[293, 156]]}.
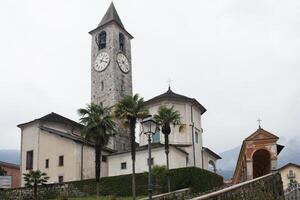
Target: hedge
{"points": [[198, 179]]}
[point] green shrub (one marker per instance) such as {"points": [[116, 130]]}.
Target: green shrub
{"points": [[120, 186], [198, 179]]}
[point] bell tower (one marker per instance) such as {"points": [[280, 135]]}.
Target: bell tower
{"points": [[111, 72]]}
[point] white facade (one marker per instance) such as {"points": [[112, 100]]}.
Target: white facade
{"points": [[177, 159], [43, 139], [190, 138]]}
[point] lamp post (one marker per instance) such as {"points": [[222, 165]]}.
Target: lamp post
{"points": [[149, 127]]}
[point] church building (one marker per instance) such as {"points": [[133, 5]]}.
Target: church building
{"points": [[53, 143]]}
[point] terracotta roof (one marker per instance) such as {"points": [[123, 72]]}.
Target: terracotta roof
{"points": [[211, 152], [267, 135], [289, 164], [171, 96], [54, 117], [10, 165]]}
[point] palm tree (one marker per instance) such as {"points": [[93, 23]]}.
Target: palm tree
{"points": [[98, 128], [159, 173], [164, 118], [129, 110], [35, 178]]}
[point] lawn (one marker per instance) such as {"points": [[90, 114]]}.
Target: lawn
{"points": [[104, 198]]}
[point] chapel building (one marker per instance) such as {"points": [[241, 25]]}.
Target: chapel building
{"points": [[54, 145], [258, 156]]}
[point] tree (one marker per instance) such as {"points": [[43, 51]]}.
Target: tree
{"points": [[34, 179], [2, 171], [160, 173], [98, 128], [164, 118], [129, 110]]}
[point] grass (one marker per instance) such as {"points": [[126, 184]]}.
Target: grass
{"points": [[104, 198]]}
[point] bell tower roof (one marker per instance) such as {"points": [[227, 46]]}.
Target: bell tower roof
{"points": [[111, 15]]}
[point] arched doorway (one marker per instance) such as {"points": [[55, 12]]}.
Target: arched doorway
{"points": [[212, 166], [261, 163]]}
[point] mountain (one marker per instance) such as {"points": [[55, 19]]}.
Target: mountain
{"points": [[227, 164], [290, 153], [10, 156]]}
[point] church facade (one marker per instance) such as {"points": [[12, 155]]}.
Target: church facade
{"points": [[53, 143]]}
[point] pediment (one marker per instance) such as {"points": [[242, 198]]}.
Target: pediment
{"points": [[261, 134]]}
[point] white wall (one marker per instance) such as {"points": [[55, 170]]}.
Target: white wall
{"points": [[189, 115], [30, 135], [177, 160], [50, 146], [206, 158]]}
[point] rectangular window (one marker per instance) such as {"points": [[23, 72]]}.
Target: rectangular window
{"points": [[61, 161], [29, 160], [47, 163], [104, 158], [61, 179], [196, 137], [152, 161], [156, 137], [123, 165]]}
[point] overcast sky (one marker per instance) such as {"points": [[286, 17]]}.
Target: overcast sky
{"points": [[238, 58]]}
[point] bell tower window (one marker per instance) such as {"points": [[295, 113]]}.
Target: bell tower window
{"points": [[102, 85], [101, 40], [122, 42]]}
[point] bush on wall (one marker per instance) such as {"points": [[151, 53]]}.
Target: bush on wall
{"points": [[198, 179]]}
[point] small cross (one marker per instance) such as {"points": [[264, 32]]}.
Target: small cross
{"points": [[169, 81], [259, 122]]}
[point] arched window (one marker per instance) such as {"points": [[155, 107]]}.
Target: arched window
{"points": [[101, 40], [121, 42], [212, 166]]}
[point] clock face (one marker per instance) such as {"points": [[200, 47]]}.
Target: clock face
{"points": [[101, 61], [123, 63]]}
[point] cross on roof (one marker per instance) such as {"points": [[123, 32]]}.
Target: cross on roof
{"points": [[259, 122], [169, 82]]}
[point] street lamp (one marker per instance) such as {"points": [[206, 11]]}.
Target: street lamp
{"points": [[149, 127]]}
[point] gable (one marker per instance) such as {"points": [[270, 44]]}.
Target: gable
{"points": [[261, 134]]}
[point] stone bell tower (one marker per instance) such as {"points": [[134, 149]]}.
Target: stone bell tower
{"points": [[111, 72]]}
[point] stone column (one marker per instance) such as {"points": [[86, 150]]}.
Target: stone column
{"points": [[273, 164], [249, 169]]}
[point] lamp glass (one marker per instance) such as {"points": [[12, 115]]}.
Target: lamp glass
{"points": [[149, 126]]}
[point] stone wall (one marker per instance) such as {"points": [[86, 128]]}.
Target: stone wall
{"points": [[48, 191], [268, 187], [178, 194], [293, 195]]}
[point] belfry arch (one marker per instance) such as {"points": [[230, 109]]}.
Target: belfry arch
{"points": [[261, 163]]}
